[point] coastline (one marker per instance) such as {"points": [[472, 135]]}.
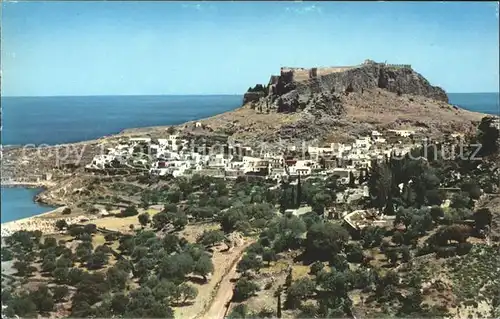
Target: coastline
{"points": [[14, 184], [127, 132], [32, 223]]}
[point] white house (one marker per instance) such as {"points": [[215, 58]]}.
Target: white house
{"points": [[218, 160], [403, 133], [363, 142], [138, 140]]}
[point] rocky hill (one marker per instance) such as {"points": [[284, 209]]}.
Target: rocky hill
{"points": [[328, 104], [293, 90]]}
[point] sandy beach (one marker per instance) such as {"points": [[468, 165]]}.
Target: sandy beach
{"points": [[40, 184], [37, 222]]}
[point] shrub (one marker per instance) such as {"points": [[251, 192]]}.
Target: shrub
{"points": [[127, 212], [316, 267], [354, 253], [300, 289], [7, 254], [210, 238], [244, 289], [60, 292], [464, 248]]}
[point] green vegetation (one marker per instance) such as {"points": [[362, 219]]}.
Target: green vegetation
{"points": [[428, 254]]}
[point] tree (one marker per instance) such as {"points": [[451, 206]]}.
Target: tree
{"points": [[143, 304], [482, 218], [61, 224], [210, 238], [117, 278], [49, 242], [325, 240], [336, 284], [434, 197], [249, 261], [203, 266], [398, 238], [83, 251], [461, 200], [269, 255], [319, 202], [170, 208], [372, 236], [180, 220], [352, 183], [143, 268], [24, 268], [145, 200], [176, 267], [278, 302], [230, 219], [456, 232], [299, 193], [7, 254], [49, 263], [160, 220], [185, 292], [43, 299], [119, 303], [244, 289], [60, 275], [239, 312], [405, 254], [22, 306], [60, 292], [488, 136], [437, 213], [355, 253], [129, 211], [174, 196], [75, 276], [86, 237], [171, 130], [391, 255], [144, 219], [97, 260], [302, 288], [316, 267], [380, 185], [63, 262], [289, 278], [110, 237]]}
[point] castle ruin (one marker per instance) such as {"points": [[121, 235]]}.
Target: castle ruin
{"points": [[303, 74]]}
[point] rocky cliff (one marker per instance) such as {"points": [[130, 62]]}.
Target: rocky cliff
{"points": [[339, 103], [287, 94]]}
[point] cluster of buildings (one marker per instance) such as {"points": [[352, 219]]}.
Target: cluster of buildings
{"points": [[177, 156]]}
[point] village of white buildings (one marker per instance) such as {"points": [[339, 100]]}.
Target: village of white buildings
{"points": [[175, 156]]}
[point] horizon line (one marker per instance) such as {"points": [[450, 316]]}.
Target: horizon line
{"points": [[197, 94], [102, 95]]}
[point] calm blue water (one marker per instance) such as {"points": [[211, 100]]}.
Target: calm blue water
{"points": [[57, 120], [478, 102], [18, 203]]}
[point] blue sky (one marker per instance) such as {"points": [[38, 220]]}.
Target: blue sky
{"points": [[133, 48]]}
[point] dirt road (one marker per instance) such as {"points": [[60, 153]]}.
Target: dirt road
{"points": [[217, 307]]}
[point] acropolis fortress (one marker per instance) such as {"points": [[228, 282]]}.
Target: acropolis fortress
{"points": [[302, 74]]}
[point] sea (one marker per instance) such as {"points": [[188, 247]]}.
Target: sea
{"points": [[59, 120]]}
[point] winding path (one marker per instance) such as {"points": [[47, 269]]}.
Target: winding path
{"points": [[216, 308]]}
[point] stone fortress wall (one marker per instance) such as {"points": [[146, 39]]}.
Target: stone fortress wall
{"points": [[304, 74]]}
